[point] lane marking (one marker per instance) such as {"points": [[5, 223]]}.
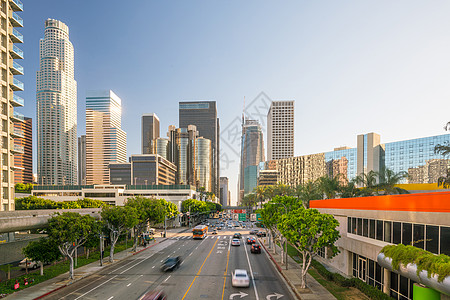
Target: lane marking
{"points": [[167, 278], [129, 284], [110, 297], [153, 267], [251, 273], [226, 271], [200, 270]]}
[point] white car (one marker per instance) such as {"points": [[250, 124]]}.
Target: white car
{"points": [[28, 264], [235, 242], [239, 278]]}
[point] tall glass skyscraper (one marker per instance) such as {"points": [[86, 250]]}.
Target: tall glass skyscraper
{"points": [[105, 140], [56, 105], [203, 163], [150, 132]]}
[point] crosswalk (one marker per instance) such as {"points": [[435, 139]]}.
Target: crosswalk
{"points": [[212, 237]]}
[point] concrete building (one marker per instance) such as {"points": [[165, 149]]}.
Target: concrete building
{"points": [[267, 177], [224, 194], [82, 160], [150, 132], [116, 194], [280, 130], [152, 169], [203, 114], [120, 173], [368, 224], [23, 142], [252, 153], [56, 107], [105, 140]]}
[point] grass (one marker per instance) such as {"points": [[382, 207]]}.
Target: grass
{"points": [[339, 292], [7, 286]]}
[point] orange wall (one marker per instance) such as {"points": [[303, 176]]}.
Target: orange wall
{"points": [[424, 202]]}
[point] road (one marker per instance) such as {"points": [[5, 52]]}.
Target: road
{"points": [[205, 273]]}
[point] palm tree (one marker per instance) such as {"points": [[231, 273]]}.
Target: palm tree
{"points": [[368, 182], [329, 186], [444, 150], [260, 192], [388, 180], [307, 192], [445, 180]]}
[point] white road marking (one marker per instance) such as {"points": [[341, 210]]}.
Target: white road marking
{"points": [[167, 278], [173, 251], [251, 273], [110, 297], [129, 284], [190, 254], [153, 267]]}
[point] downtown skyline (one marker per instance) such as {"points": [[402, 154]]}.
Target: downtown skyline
{"points": [[331, 79]]}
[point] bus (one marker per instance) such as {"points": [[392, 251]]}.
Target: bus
{"points": [[200, 232]]}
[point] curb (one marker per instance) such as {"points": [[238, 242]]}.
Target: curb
{"points": [[52, 291], [291, 286]]}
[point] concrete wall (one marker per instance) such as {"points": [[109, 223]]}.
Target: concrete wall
{"points": [[12, 251]]}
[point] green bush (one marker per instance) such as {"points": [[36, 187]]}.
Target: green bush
{"points": [[33, 202]]}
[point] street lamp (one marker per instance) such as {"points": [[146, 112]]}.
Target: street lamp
{"points": [[285, 239]]}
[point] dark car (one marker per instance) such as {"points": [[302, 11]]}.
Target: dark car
{"points": [[171, 263], [261, 234], [152, 295], [251, 240], [254, 231], [255, 248], [237, 235]]}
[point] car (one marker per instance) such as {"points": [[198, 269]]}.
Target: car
{"points": [[239, 278], [237, 235], [152, 295], [171, 263], [214, 231], [27, 263], [251, 240], [254, 231], [235, 242], [261, 234], [255, 248], [219, 228]]}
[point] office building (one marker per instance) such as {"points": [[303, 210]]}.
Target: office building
{"points": [[152, 169], [82, 160], [252, 154], [182, 147], [224, 195], [120, 173], [150, 132], [56, 97], [203, 163], [280, 130], [105, 140], [161, 146], [203, 114], [367, 224], [267, 177], [23, 145]]}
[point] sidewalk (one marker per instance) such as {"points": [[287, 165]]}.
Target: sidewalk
{"points": [[47, 287], [314, 291]]}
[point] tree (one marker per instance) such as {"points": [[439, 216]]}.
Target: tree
{"points": [[329, 186], [368, 181], [249, 200], [444, 150], [43, 251], [307, 230], [118, 219], [23, 188], [69, 231], [260, 192], [307, 192], [388, 180]]}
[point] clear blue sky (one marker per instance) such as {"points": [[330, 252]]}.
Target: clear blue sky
{"points": [[351, 66]]}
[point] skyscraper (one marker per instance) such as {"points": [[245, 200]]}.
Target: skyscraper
{"points": [[203, 163], [150, 132], [280, 130], [105, 140], [23, 162], [203, 114], [56, 97], [224, 192], [82, 160], [181, 153], [252, 153]]}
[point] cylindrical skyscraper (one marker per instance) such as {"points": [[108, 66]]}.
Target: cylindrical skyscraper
{"points": [[56, 97]]}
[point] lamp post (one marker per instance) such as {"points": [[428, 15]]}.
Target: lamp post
{"points": [[101, 249]]}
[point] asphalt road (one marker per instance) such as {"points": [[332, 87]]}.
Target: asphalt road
{"points": [[205, 273]]}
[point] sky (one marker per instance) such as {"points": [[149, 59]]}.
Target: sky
{"points": [[352, 67]]}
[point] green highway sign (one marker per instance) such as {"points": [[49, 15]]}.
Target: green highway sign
{"points": [[242, 217], [258, 217]]}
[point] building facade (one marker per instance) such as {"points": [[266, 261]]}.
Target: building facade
{"points": [[23, 162], [203, 114], [150, 132], [152, 169], [182, 146], [280, 130], [105, 140], [268, 177], [224, 194], [161, 146], [56, 105], [120, 173], [252, 154], [82, 160], [203, 163]]}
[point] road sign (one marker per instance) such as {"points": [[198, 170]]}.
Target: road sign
{"points": [[242, 217], [258, 217]]}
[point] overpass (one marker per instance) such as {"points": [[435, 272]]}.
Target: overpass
{"points": [[20, 220]]}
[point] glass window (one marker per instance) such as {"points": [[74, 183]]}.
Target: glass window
{"points": [[379, 230], [445, 240], [365, 227], [397, 233], [418, 241], [354, 225], [359, 226], [387, 231], [406, 234], [394, 284], [404, 286], [349, 224], [432, 240], [372, 229]]}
